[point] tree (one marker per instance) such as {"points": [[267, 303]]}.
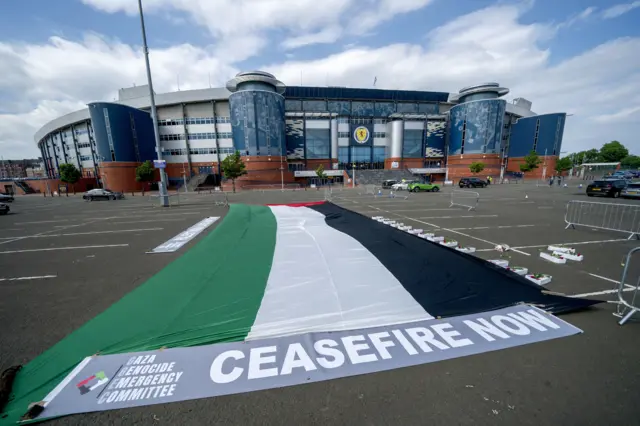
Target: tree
{"points": [[531, 162], [233, 168], [613, 152], [145, 173], [69, 173], [631, 161], [563, 164], [476, 167], [320, 172]]}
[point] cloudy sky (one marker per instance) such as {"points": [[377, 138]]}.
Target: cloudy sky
{"points": [[577, 56]]}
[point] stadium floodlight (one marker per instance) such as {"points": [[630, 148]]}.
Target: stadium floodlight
{"points": [[164, 199]]}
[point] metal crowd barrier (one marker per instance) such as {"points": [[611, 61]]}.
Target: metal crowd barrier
{"points": [[609, 216], [220, 198], [626, 309], [370, 189], [468, 199], [328, 193]]}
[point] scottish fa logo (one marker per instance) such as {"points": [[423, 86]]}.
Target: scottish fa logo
{"points": [[361, 135]]}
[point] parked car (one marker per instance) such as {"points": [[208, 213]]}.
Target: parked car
{"points": [[388, 183], [631, 191], [417, 187], [472, 182], [606, 187], [6, 198], [4, 208], [102, 194], [402, 186]]}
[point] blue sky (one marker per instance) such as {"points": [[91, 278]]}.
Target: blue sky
{"points": [[572, 55]]}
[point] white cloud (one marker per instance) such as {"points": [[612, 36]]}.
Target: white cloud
{"points": [[43, 81], [620, 9], [304, 22], [51, 79], [578, 17], [623, 115], [326, 35], [493, 45]]}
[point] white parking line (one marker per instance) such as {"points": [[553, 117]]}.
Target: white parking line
{"points": [[458, 217], [147, 221], [97, 232], [609, 279], [495, 227], [42, 277], [450, 230], [63, 248], [571, 244], [43, 221], [599, 293]]}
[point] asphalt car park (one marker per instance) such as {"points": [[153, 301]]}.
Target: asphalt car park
{"points": [[64, 260]]}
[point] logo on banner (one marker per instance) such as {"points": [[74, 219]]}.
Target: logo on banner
{"points": [[361, 135], [92, 382]]}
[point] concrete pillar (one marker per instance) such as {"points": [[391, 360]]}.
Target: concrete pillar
{"points": [[334, 139]]}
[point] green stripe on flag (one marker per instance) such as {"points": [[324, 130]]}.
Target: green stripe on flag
{"points": [[210, 294]]}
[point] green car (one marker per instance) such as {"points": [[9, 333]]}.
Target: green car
{"points": [[416, 187]]}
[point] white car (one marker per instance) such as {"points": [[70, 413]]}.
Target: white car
{"points": [[401, 186]]}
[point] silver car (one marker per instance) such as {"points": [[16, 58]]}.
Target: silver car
{"points": [[631, 191]]}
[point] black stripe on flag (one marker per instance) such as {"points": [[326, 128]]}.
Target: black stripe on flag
{"points": [[444, 281]]}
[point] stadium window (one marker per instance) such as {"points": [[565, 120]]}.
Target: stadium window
{"points": [[343, 134]]}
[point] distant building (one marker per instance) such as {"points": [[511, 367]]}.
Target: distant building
{"points": [[298, 128]]}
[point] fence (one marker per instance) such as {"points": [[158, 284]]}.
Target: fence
{"points": [[626, 309], [468, 199], [609, 216], [370, 189]]}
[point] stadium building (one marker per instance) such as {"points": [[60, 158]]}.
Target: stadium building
{"points": [[284, 133]]}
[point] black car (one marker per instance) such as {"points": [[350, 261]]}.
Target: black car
{"points": [[102, 194], [389, 183], [4, 208], [472, 182], [607, 187], [6, 198]]}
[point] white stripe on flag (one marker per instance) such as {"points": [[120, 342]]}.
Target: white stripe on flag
{"points": [[324, 280]]}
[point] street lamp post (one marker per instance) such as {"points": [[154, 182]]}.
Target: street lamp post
{"points": [[164, 199]]}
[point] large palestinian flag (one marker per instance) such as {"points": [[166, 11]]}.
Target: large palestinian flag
{"points": [[273, 271]]}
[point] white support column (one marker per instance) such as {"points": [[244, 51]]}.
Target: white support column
{"points": [[397, 136], [334, 138]]}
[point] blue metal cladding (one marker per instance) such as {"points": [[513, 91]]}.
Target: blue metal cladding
{"points": [[257, 123], [384, 109], [481, 123], [364, 94], [550, 131], [362, 109], [340, 107], [127, 127], [435, 138], [294, 129]]}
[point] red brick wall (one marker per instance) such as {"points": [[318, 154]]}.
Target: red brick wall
{"points": [[514, 166], [41, 185], [459, 165]]}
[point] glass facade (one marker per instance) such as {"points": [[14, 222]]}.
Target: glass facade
{"points": [[257, 123], [360, 154], [476, 127], [318, 143], [412, 144]]}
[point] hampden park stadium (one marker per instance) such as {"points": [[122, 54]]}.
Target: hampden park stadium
{"points": [[285, 132]]}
